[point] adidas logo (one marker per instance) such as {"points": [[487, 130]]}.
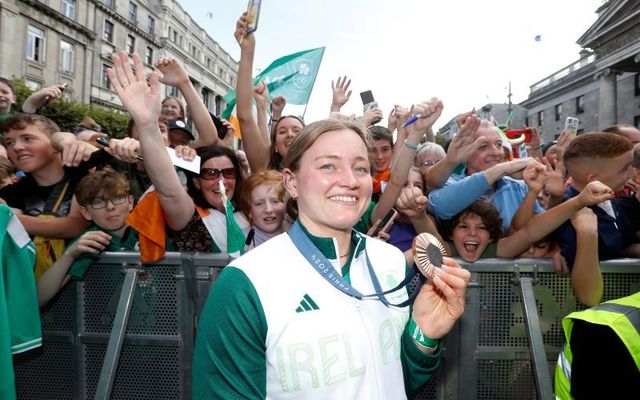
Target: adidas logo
{"points": [[307, 304]]}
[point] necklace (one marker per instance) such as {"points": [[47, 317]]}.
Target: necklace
{"points": [[344, 255]]}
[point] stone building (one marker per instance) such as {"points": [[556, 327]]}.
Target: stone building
{"points": [[71, 41], [601, 88]]}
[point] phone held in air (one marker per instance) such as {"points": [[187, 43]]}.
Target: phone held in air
{"points": [[368, 102], [571, 126], [386, 223], [253, 15]]}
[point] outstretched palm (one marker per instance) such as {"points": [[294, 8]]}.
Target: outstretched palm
{"points": [[140, 98]]}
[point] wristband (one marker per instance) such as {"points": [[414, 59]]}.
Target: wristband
{"points": [[420, 338], [410, 146], [538, 147]]}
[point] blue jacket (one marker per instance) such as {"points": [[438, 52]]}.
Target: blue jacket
{"points": [[461, 191], [614, 235]]}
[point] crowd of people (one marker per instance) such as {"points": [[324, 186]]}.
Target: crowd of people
{"points": [[310, 294]]}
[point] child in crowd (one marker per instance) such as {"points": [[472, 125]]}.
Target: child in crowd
{"points": [[475, 232], [174, 74], [106, 201], [7, 97], [380, 155], [262, 201]]}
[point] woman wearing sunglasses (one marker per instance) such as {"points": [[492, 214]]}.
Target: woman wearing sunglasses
{"points": [[206, 229], [196, 217]]}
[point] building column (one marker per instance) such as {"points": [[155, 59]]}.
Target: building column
{"points": [[607, 98]]}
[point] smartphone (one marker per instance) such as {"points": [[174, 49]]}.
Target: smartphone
{"points": [[386, 223], [253, 15], [571, 126], [220, 127], [368, 103]]}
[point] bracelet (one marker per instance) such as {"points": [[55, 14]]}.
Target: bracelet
{"points": [[410, 146], [538, 147], [423, 341]]}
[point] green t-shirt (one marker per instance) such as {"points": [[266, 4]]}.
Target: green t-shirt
{"points": [[20, 328], [129, 241]]}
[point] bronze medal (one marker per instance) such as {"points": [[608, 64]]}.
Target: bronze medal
{"points": [[427, 253]]}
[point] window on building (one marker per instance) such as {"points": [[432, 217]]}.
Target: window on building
{"points": [[636, 121], [131, 44], [148, 56], [175, 36], [66, 56], [133, 12], [540, 118], [108, 31], [172, 91], [109, 3], [637, 85], [526, 121], [218, 104], [151, 25], [580, 104], [69, 8], [558, 113], [35, 44], [194, 51], [208, 62], [104, 82], [33, 85], [205, 97]]}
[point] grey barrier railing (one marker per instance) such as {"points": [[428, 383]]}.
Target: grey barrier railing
{"points": [[127, 330]]}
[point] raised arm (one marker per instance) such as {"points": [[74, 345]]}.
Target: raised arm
{"points": [[341, 93], [261, 95], [543, 224], [462, 146], [42, 97], [255, 146], [535, 177], [174, 74], [142, 100], [406, 151]]}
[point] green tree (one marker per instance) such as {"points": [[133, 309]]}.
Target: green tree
{"points": [[68, 114]]}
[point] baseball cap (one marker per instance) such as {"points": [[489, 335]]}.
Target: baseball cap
{"points": [[179, 124]]}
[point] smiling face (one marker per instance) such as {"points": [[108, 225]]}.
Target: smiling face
{"points": [[381, 155], [210, 189], [267, 209], [489, 154], [286, 130], [7, 98], [171, 109], [29, 149], [332, 185], [470, 237]]}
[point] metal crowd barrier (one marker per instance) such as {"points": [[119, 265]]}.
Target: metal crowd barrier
{"points": [[126, 331]]}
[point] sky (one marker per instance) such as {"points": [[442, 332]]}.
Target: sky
{"points": [[462, 52]]}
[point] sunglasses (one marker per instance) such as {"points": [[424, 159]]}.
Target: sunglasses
{"points": [[211, 174]]}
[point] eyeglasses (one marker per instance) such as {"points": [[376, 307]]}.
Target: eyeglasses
{"points": [[427, 163], [102, 203], [211, 174]]}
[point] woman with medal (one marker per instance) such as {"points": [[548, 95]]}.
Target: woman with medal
{"points": [[302, 316]]}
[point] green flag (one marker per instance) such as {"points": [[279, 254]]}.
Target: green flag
{"points": [[291, 76]]}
